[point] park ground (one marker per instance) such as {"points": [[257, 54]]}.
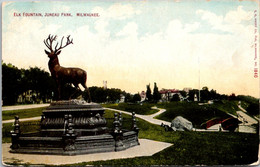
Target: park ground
{"points": [[188, 147]]}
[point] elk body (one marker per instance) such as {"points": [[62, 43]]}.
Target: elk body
{"points": [[61, 74]]}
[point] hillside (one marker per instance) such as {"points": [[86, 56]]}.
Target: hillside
{"points": [[198, 114]]}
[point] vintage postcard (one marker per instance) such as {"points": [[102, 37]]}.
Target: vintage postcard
{"points": [[126, 83]]}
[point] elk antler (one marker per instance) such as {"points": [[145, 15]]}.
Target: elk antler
{"points": [[49, 40], [67, 43]]}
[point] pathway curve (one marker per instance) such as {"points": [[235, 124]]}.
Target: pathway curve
{"points": [[19, 107], [149, 118], [22, 119]]}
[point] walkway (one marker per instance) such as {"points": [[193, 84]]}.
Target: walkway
{"points": [[19, 107], [22, 119], [148, 118], [146, 148]]}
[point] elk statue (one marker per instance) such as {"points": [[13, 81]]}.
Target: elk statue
{"points": [[61, 74]]}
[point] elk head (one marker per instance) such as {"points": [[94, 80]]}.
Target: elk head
{"points": [[54, 53]]}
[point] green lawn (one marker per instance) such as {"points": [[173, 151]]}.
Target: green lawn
{"points": [[197, 148], [25, 113], [189, 148], [144, 109], [226, 106], [195, 113], [27, 126]]}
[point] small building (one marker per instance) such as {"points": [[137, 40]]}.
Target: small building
{"points": [[167, 94], [195, 97], [143, 96], [28, 97], [122, 98]]}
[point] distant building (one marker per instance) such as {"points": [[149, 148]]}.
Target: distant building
{"points": [[195, 97], [122, 98], [167, 94], [143, 96], [105, 84], [30, 97]]}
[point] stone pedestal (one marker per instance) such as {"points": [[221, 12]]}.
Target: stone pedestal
{"points": [[74, 127]]}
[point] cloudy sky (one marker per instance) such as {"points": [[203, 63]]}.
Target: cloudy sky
{"points": [[134, 43]]}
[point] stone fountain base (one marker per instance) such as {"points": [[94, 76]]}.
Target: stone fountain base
{"points": [[74, 127]]}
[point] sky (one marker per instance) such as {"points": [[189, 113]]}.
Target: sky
{"points": [[177, 44]]}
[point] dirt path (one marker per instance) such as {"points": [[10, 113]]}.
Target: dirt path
{"points": [[21, 120], [20, 107], [148, 118]]}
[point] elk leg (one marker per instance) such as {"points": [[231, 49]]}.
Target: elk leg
{"points": [[87, 90], [77, 87], [59, 90]]}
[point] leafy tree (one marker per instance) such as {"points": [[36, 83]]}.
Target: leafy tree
{"points": [[156, 93], [205, 94], [253, 109], [128, 97], [192, 93], [114, 94], [98, 94], [232, 97], [11, 82], [175, 97], [149, 93], [101, 95], [136, 97], [40, 82], [214, 94], [183, 93]]}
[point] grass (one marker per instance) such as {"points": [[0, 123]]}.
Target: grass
{"points": [[197, 148], [25, 127], [191, 111], [226, 106], [25, 113], [144, 109], [192, 148], [189, 148]]}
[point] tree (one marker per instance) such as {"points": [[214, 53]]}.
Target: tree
{"points": [[175, 97], [98, 94], [214, 95], [114, 94], [11, 81], [192, 93], [205, 94], [156, 93], [40, 82], [136, 97], [183, 93], [148, 93], [232, 97], [128, 97], [101, 95], [253, 109]]}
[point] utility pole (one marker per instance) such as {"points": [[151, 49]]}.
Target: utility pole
{"points": [[199, 77]]}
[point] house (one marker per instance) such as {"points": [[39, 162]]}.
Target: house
{"points": [[122, 98], [27, 97], [32, 97], [167, 94], [143, 96]]}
